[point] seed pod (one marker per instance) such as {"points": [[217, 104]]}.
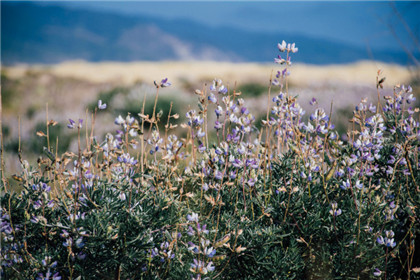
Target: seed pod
{"points": [[331, 172]]}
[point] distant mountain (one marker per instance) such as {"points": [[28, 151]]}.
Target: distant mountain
{"points": [[32, 33]]}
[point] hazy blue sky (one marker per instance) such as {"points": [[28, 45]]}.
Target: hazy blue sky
{"points": [[358, 23]]}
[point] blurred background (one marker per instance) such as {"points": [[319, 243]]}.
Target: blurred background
{"points": [[69, 54]]}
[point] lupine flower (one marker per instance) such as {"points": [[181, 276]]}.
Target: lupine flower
{"points": [[210, 252], [71, 124], [218, 175], [377, 272], [192, 247], [119, 120], [81, 256], [345, 185], [202, 229], [48, 276], [292, 48], [359, 185], [218, 86], [122, 196], [190, 231], [193, 217], [80, 243], [201, 267], [334, 209], [279, 60], [410, 99], [212, 98], [101, 106], [163, 83], [388, 241], [282, 46]]}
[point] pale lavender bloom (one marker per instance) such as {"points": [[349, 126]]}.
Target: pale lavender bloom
{"points": [[345, 185], [202, 229], [313, 101], [201, 148], [359, 185], [275, 82], [210, 252], [37, 204], [292, 48], [380, 240], [251, 182], [200, 133], [237, 163], [389, 233], [165, 83], [279, 60], [192, 247], [282, 46], [48, 276], [71, 124], [119, 120], [218, 175], [81, 256], [217, 125], [334, 209], [222, 90], [377, 272], [64, 234], [101, 106], [390, 242], [212, 98], [190, 231], [193, 217], [410, 99], [122, 196], [50, 204], [80, 243], [68, 242]]}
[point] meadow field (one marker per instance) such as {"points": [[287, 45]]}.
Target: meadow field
{"points": [[210, 170]]}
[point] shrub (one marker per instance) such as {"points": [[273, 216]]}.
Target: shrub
{"points": [[288, 201]]}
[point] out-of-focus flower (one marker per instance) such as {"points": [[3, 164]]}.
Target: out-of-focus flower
{"points": [[163, 83], [282, 46], [71, 124], [101, 106]]}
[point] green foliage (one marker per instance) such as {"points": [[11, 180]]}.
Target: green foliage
{"points": [[252, 89]]}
